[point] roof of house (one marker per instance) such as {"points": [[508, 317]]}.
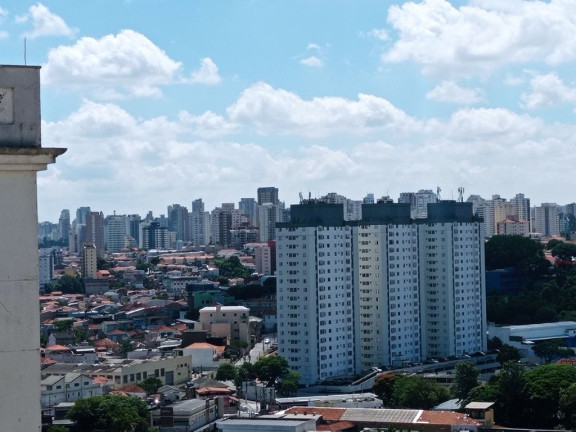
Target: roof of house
{"points": [[206, 345], [132, 388], [58, 348]]}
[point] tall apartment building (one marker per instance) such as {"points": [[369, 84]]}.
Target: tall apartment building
{"points": [[46, 261], [263, 259], [64, 225], [382, 290], [453, 286], [154, 236], [89, 261], [178, 222], [316, 316], [268, 215], [267, 195], [385, 245], [116, 231], [199, 223], [95, 231], [248, 206], [546, 219]]}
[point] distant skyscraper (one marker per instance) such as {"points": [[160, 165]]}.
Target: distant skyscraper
{"points": [[178, 222], [81, 213], [95, 231], [154, 236], [64, 225], [248, 206], [546, 219], [368, 199], [199, 223], [116, 232], [267, 195], [422, 198]]}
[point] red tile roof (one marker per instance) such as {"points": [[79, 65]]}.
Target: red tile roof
{"points": [[446, 418]]}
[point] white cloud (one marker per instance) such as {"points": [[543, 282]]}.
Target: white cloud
{"points": [[279, 111], [127, 64], [207, 125], [477, 39], [312, 61], [46, 23], [207, 73], [451, 92], [116, 161], [547, 91], [380, 34]]}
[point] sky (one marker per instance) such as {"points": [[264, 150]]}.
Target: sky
{"points": [[161, 102]]}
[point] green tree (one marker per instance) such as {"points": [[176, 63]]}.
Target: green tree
{"points": [[226, 371], [232, 267], [508, 353], [151, 385], [64, 325], [270, 369], [511, 391], [549, 349], [417, 392], [564, 251], [465, 379], [384, 387], [110, 413], [567, 403], [289, 385], [58, 428], [544, 385], [244, 373], [553, 243], [515, 251], [69, 284]]}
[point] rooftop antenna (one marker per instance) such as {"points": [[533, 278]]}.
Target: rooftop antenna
{"points": [[438, 190], [25, 63], [461, 194]]}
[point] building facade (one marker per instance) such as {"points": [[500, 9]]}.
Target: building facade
{"points": [[384, 290]]}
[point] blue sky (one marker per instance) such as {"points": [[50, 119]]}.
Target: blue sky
{"points": [[166, 101]]}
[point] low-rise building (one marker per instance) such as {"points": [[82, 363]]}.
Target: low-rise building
{"points": [[231, 322], [170, 370]]}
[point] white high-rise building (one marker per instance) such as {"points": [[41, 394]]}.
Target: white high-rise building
{"points": [[386, 276], [453, 293], [406, 289], [116, 229], [199, 223], [315, 293], [546, 219]]}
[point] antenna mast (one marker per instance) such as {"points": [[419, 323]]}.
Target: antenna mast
{"points": [[461, 194]]}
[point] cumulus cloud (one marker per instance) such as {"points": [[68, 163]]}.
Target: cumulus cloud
{"points": [[116, 161], [115, 66], [207, 73], [477, 39], [45, 23], [207, 125], [547, 91], [380, 34], [279, 111], [312, 61], [451, 92]]}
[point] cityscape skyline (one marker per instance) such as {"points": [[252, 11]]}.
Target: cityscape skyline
{"points": [[165, 102]]}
